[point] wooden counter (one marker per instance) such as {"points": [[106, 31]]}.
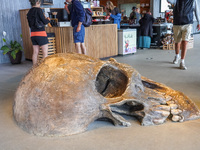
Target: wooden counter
{"points": [[100, 40]]}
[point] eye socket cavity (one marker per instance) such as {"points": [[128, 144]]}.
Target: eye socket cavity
{"points": [[111, 82]]}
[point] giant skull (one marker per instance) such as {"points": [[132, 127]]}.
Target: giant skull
{"points": [[66, 92]]}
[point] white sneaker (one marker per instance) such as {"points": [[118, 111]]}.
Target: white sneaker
{"points": [[182, 66], [176, 59]]}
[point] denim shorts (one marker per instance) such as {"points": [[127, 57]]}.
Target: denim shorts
{"points": [[79, 36]]}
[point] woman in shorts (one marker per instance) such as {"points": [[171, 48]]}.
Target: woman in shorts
{"points": [[37, 22]]}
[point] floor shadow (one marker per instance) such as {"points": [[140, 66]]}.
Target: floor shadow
{"points": [[176, 67]]}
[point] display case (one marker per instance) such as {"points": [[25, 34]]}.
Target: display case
{"points": [[159, 32]]}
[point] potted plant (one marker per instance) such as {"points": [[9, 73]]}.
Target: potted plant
{"points": [[13, 49]]}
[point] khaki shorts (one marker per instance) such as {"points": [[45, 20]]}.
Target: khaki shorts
{"points": [[182, 32]]}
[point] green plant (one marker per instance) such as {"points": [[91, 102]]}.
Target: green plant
{"points": [[13, 47]]}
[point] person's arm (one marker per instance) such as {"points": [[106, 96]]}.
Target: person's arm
{"points": [[66, 8], [80, 14], [118, 16], [42, 17], [197, 13], [79, 27]]}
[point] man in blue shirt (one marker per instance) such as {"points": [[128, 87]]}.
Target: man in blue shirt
{"points": [[77, 17]]}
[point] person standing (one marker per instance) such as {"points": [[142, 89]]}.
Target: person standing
{"points": [[135, 15], [132, 17], [145, 30], [114, 13], [77, 17], [182, 26], [138, 15], [37, 22]]}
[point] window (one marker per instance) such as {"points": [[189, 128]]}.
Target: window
{"points": [[164, 5]]}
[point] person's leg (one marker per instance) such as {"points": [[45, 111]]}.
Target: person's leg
{"points": [[183, 54], [78, 48], [45, 50], [177, 38], [77, 40], [177, 49], [183, 49], [36, 49], [186, 31], [83, 48]]}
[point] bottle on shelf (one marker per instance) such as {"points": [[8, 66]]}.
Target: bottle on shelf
{"points": [[95, 3], [98, 3], [92, 3]]}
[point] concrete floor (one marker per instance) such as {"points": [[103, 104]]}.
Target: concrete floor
{"points": [[154, 64]]}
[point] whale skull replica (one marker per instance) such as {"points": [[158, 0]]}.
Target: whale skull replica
{"points": [[66, 92]]}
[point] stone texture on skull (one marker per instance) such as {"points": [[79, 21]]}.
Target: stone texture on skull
{"points": [[66, 92]]}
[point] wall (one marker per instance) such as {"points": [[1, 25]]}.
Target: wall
{"points": [[10, 20]]}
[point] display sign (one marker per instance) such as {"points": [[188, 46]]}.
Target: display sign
{"points": [[129, 42]]}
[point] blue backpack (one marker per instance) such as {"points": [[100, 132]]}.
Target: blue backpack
{"points": [[88, 17]]}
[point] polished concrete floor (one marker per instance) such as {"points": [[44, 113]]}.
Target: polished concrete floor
{"points": [[152, 63]]}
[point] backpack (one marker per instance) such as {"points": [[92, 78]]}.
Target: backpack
{"points": [[88, 17]]}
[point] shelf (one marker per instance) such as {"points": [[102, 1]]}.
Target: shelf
{"points": [[97, 11], [96, 7], [99, 16], [145, 7]]}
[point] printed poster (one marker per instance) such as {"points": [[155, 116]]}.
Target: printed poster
{"points": [[129, 42]]}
